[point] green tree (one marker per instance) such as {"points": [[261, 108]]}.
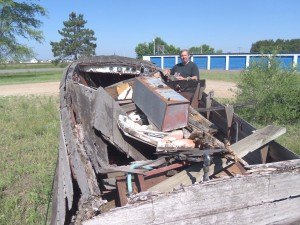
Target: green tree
{"points": [[161, 47], [278, 46], [77, 41], [203, 49], [274, 92], [18, 19]]}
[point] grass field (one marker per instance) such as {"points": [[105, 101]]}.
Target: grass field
{"points": [[36, 77], [11, 66], [29, 77], [28, 152], [230, 76]]}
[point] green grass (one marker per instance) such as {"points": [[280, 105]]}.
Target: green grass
{"points": [[11, 66], [291, 139], [229, 76], [29, 77], [28, 152]]}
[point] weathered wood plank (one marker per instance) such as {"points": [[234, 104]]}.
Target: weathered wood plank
{"points": [[76, 166], [284, 165], [106, 114], [256, 140], [65, 170], [253, 199], [61, 198], [80, 165], [83, 98]]}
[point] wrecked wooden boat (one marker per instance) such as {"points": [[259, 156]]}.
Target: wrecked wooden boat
{"points": [[139, 147]]}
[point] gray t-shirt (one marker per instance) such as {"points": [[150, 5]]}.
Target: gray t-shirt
{"points": [[187, 70]]}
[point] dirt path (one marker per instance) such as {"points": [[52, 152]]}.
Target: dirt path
{"points": [[47, 88], [221, 89]]}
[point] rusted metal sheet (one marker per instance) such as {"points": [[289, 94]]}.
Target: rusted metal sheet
{"points": [[167, 109]]}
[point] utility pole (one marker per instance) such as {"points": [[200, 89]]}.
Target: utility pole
{"points": [[153, 46], [239, 48]]}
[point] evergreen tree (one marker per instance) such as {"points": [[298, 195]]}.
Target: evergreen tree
{"points": [[77, 41], [18, 19]]}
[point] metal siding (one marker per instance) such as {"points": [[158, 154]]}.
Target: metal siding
{"points": [[169, 62], [201, 62], [156, 61], [179, 59], [258, 59], [237, 62], [217, 62], [285, 61]]}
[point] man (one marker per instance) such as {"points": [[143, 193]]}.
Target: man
{"points": [[185, 70]]}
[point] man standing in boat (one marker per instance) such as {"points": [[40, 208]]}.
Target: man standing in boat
{"points": [[186, 70]]}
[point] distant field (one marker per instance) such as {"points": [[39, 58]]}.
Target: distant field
{"points": [[29, 77], [8, 66], [49, 76], [220, 75]]}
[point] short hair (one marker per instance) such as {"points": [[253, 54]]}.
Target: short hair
{"points": [[184, 50]]}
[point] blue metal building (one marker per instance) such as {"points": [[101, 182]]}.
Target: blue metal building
{"points": [[238, 61]]}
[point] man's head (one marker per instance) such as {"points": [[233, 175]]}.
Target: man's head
{"points": [[185, 56]]}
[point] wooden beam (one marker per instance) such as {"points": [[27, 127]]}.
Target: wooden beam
{"points": [[256, 140]]}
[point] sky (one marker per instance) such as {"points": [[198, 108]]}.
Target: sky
{"points": [[120, 25]]}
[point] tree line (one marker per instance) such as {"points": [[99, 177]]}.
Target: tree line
{"points": [[278, 46], [21, 19]]}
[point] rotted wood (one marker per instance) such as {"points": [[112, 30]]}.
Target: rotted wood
{"points": [[201, 119], [80, 165], [143, 182], [106, 115], [241, 148], [264, 153], [208, 103], [190, 175], [229, 117], [195, 99], [226, 201], [283, 165], [65, 172], [82, 100], [129, 107]]}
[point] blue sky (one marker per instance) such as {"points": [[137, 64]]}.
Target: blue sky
{"points": [[120, 25]]}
